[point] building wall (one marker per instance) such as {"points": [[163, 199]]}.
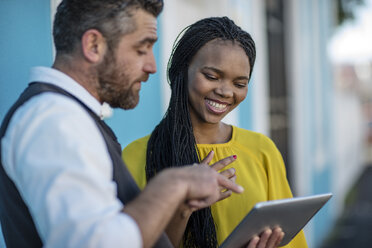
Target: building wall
{"points": [[318, 114]]}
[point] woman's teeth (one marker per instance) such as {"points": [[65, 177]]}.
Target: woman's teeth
{"points": [[216, 105]]}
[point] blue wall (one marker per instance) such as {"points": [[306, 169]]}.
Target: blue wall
{"points": [[317, 120], [245, 113], [25, 41]]}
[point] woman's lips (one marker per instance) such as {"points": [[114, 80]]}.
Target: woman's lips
{"points": [[216, 107]]}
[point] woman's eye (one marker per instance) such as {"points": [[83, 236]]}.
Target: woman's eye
{"points": [[240, 85], [210, 77]]}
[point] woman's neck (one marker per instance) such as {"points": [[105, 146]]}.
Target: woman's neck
{"points": [[206, 133]]}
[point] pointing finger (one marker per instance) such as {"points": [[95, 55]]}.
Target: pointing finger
{"points": [[229, 173], [229, 185]]}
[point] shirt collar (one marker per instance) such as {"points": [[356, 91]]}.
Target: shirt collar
{"points": [[62, 80]]}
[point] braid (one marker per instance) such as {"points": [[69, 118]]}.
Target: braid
{"points": [[172, 143]]}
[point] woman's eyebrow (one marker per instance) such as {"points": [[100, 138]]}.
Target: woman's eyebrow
{"points": [[221, 72], [213, 69]]}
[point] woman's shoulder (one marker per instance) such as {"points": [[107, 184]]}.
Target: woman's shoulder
{"points": [[252, 139], [141, 142], [134, 157], [137, 145], [134, 154]]}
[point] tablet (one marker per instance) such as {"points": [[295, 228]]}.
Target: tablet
{"points": [[290, 214]]}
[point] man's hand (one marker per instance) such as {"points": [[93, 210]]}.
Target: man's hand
{"points": [[198, 186], [177, 225], [205, 185]]}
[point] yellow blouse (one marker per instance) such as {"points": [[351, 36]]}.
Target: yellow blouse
{"points": [[259, 168]]}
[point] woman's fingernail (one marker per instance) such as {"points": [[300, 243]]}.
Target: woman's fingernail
{"points": [[234, 156]]}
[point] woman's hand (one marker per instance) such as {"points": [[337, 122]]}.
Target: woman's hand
{"points": [[225, 185], [218, 166], [269, 238]]}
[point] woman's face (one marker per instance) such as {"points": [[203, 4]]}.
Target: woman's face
{"points": [[217, 81]]}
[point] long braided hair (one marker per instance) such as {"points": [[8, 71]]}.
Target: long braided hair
{"points": [[172, 143]]}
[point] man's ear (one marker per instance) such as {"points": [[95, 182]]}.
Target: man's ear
{"points": [[93, 45]]}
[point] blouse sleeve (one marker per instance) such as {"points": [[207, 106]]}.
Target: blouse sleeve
{"points": [[278, 186]]}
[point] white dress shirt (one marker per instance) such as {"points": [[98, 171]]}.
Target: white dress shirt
{"points": [[56, 156]]}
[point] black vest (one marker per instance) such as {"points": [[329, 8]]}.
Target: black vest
{"points": [[17, 225]]}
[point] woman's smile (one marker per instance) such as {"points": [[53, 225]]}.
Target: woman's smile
{"points": [[216, 107]]}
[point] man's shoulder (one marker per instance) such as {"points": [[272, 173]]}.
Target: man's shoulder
{"points": [[51, 112], [54, 104]]}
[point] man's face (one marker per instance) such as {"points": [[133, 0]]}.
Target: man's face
{"points": [[123, 69]]}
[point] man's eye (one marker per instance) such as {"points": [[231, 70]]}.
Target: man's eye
{"points": [[141, 52]]}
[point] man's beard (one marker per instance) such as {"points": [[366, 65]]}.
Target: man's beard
{"points": [[114, 85]]}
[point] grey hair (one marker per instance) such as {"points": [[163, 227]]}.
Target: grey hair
{"points": [[75, 17]]}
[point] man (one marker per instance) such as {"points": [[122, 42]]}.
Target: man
{"points": [[63, 183]]}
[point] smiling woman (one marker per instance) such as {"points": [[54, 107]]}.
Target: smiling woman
{"points": [[209, 71], [218, 81]]}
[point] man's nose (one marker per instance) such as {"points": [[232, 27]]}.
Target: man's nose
{"points": [[150, 64]]}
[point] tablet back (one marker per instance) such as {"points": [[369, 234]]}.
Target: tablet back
{"points": [[290, 214]]}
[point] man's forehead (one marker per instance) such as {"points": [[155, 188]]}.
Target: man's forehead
{"points": [[145, 19], [146, 26]]}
